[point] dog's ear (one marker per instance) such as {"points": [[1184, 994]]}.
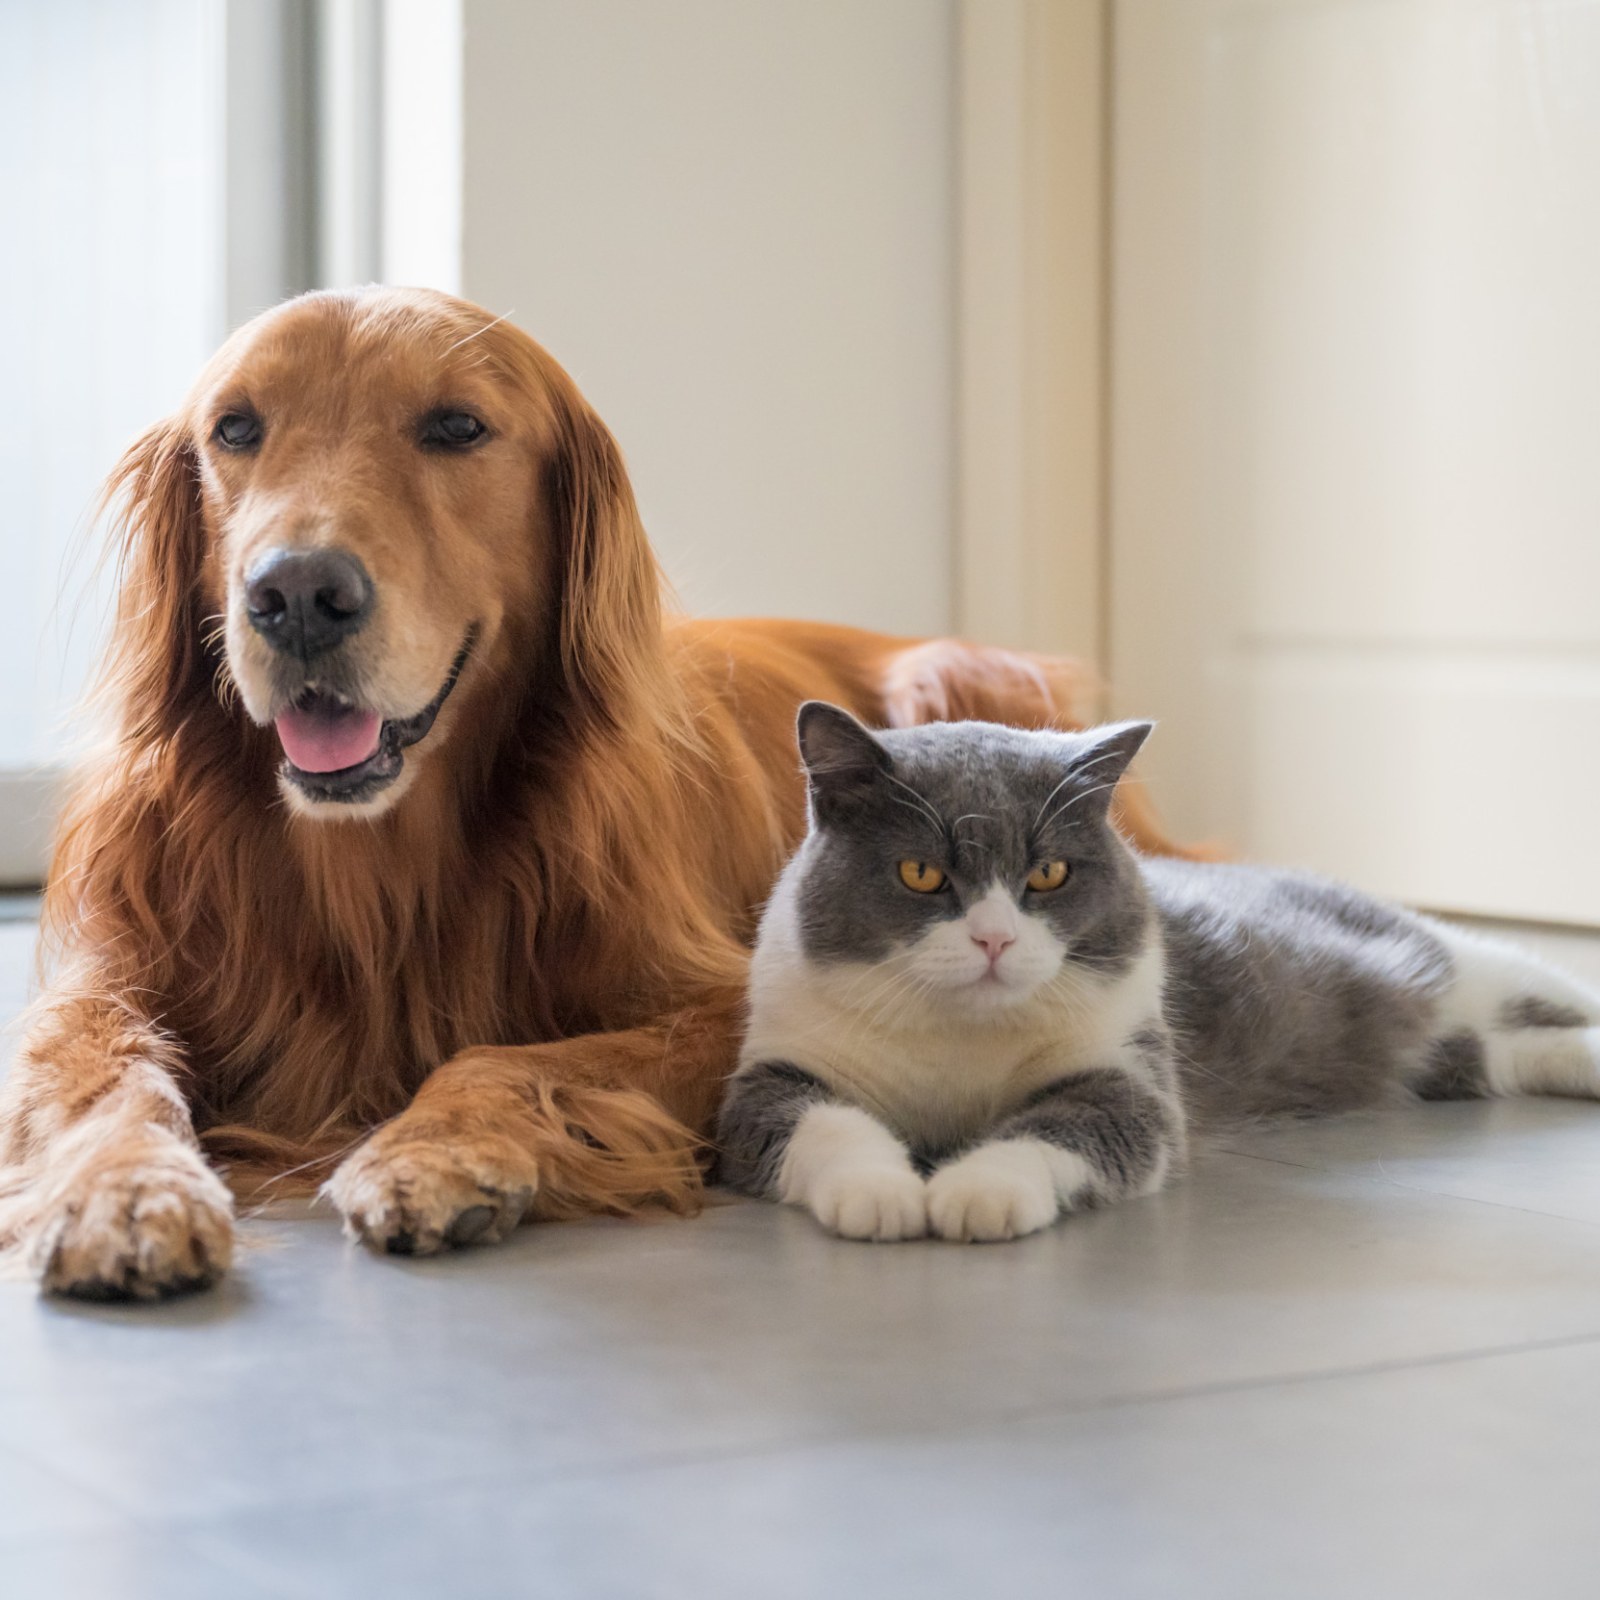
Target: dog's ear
{"points": [[157, 658], [610, 600]]}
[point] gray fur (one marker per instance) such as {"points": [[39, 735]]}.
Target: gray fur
{"points": [[991, 802], [1277, 992], [1454, 1069], [1533, 1011], [1288, 994], [1125, 1131], [759, 1114], [1153, 1045]]}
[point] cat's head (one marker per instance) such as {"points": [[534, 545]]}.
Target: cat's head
{"points": [[976, 861]]}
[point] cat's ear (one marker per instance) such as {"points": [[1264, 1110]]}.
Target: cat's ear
{"points": [[1101, 756], [843, 760]]}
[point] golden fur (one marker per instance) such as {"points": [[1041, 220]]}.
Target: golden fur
{"points": [[523, 964]]}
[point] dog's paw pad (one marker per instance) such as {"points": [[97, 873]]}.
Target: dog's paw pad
{"points": [[155, 1223], [471, 1225], [421, 1196]]}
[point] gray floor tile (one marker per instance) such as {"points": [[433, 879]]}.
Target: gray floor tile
{"points": [[1473, 1481], [322, 1371], [1535, 1155], [740, 1404], [36, 1501], [136, 1565]]}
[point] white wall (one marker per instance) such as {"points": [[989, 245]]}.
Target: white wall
{"points": [[732, 221]]}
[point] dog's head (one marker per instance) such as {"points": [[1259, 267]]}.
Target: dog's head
{"points": [[375, 511]]}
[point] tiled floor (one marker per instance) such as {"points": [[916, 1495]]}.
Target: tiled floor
{"points": [[1356, 1359]]}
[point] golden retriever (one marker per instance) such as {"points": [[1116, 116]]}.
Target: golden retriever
{"points": [[426, 850]]}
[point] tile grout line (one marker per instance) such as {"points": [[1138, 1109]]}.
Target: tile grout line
{"points": [[239, 1563], [1298, 1380], [229, 1561], [1411, 1188], [127, 1519]]}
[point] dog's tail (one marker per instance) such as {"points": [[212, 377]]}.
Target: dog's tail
{"points": [[948, 680]]}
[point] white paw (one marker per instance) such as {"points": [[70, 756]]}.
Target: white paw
{"points": [[870, 1202], [998, 1191]]}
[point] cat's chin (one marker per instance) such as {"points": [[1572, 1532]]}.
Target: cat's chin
{"points": [[987, 996]]}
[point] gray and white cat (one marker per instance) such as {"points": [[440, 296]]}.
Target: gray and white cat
{"points": [[973, 1008]]}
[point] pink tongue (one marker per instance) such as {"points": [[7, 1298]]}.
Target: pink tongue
{"points": [[321, 741]]}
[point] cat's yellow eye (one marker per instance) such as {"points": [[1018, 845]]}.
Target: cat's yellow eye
{"points": [[1046, 876], [922, 876]]}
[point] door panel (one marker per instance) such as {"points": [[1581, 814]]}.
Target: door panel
{"points": [[1355, 471]]}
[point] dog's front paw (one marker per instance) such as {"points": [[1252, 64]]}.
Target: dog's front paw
{"points": [[998, 1191], [870, 1202], [411, 1194], [135, 1219]]}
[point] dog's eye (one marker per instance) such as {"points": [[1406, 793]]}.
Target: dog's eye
{"points": [[453, 430], [237, 430]]}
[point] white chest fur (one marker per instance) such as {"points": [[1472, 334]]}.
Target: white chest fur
{"points": [[932, 1073]]}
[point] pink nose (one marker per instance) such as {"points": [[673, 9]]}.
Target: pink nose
{"points": [[995, 943]]}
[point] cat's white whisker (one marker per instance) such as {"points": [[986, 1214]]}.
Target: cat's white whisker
{"points": [[929, 809], [1077, 772], [1077, 800]]}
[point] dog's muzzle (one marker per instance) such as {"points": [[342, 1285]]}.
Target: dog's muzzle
{"points": [[321, 724]]}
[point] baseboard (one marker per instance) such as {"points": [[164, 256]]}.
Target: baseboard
{"points": [[29, 802]]}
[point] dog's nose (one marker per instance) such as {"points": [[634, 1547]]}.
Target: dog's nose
{"points": [[306, 601]]}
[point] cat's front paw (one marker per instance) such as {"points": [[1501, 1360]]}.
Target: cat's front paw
{"points": [[868, 1202], [998, 1191]]}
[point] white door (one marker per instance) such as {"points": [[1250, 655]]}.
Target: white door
{"points": [[1355, 422]]}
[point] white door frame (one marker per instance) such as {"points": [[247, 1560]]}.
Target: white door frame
{"points": [[1032, 246]]}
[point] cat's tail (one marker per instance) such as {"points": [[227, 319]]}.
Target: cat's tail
{"points": [[1509, 1023]]}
